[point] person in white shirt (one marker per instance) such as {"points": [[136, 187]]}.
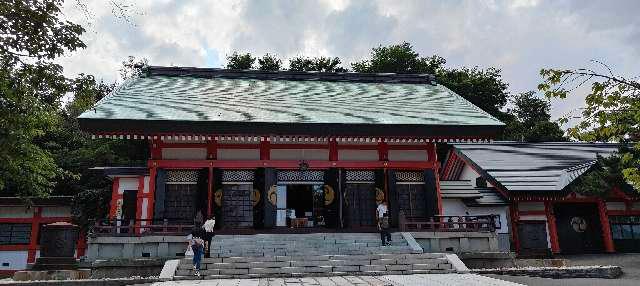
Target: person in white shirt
{"points": [[208, 227], [382, 215]]}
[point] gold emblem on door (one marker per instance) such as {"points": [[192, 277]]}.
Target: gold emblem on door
{"points": [[329, 195], [273, 195]]}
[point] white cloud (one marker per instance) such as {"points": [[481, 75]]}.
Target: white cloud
{"points": [[520, 37]]}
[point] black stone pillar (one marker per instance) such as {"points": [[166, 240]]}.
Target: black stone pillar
{"points": [[270, 194], [392, 200], [431, 193], [158, 211], [332, 198]]}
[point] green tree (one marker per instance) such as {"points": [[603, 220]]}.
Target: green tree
{"points": [[529, 120], [612, 111], [237, 61], [484, 88], [320, 64], [399, 58], [269, 62], [32, 35]]}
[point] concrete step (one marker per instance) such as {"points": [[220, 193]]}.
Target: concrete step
{"points": [[288, 266]]}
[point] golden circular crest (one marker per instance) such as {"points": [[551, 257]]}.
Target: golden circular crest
{"points": [[255, 197], [329, 195], [217, 197], [273, 195], [379, 196]]}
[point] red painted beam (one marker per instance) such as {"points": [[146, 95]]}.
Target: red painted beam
{"points": [[515, 219], [288, 164]]}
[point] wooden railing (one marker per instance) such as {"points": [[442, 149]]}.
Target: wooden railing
{"points": [[466, 223], [141, 227]]}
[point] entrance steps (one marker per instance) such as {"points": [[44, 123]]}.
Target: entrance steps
{"points": [[299, 255]]}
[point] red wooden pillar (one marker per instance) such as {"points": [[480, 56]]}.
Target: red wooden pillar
{"points": [[383, 151], [152, 192], [35, 229], [333, 149], [515, 218], [553, 230], [115, 196], [265, 149], [139, 203], [606, 228], [433, 158]]}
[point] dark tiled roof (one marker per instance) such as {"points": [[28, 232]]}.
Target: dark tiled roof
{"points": [[540, 167], [292, 75], [214, 100], [471, 195]]}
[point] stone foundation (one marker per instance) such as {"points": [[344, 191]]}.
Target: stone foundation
{"points": [[30, 275]]}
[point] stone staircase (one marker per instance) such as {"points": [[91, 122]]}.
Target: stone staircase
{"points": [[320, 254]]}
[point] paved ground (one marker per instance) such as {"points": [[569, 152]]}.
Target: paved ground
{"points": [[630, 264], [387, 280]]}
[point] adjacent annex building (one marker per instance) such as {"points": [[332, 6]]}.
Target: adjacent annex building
{"points": [[20, 227], [546, 215], [280, 150]]}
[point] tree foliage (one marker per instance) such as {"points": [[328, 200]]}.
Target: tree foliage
{"points": [[269, 62], [238, 61], [320, 64], [612, 111], [32, 35], [529, 120], [399, 58]]}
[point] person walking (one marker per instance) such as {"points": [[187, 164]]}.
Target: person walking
{"points": [[197, 245], [208, 227], [383, 223]]}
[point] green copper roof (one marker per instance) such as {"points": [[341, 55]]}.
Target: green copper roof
{"points": [[242, 99]]}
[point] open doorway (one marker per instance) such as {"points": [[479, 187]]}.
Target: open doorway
{"points": [[300, 205]]}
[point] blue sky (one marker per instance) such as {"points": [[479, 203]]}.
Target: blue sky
{"points": [[520, 36]]}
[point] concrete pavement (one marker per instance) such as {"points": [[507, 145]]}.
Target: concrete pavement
{"points": [[386, 280]]}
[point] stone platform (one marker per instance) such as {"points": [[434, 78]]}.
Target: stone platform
{"points": [[32, 275]]}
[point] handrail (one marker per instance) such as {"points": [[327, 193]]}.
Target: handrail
{"points": [[449, 223], [138, 227]]}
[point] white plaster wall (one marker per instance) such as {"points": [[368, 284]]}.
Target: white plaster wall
{"points": [[457, 207], [16, 212], [408, 155], [616, 206], [531, 206], [299, 154], [358, 155], [127, 184], [238, 154], [56, 211], [17, 260], [468, 174], [184, 153]]}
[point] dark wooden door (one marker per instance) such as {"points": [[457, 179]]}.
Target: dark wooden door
{"points": [[179, 205], [361, 204], [412, 199], [237, 206], [579, 229], [533, 238], [129, 205]]}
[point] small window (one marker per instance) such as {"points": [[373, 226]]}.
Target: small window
{"points": [[481, 182], [15, 233]]}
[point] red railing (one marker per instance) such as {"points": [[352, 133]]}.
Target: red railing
{"points": [[441, 223], [141, 227]]}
